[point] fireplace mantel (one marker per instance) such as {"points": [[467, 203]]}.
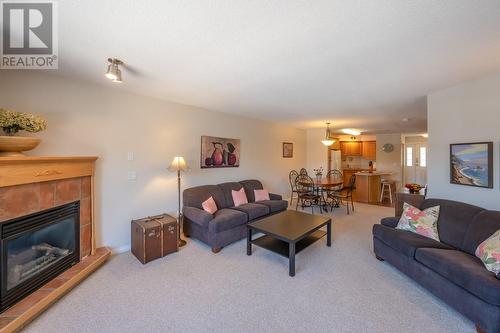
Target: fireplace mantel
{"points": [[29, 184], [28, 169]]}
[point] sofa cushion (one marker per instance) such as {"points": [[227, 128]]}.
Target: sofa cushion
{"points": [[250, 186], [253, 210], [275, 205], [405, 242], [198, 216], [195, 196], [226, 219], [483, 226], [463, 270], [454, 220], [227, 189]]}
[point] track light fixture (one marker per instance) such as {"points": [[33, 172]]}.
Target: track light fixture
{"points": [[114, 73]]}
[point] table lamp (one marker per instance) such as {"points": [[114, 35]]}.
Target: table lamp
{"points": [[178, 165]]}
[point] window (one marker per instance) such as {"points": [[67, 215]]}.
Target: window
{"points": [[423, 156], [409, 156]]}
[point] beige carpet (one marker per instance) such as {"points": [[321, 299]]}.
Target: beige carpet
{"points": [[338, 289]]}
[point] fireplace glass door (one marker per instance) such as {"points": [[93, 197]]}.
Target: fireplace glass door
{"points": [[36, 248], [35, 251]]}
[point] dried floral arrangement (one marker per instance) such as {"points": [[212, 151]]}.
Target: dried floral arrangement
{"points": [[12, 122]]}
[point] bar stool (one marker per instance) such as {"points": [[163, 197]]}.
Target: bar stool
{"points": [[386, 189]]}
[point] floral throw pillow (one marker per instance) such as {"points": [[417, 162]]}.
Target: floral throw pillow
{"points": [[489, 252], [422, 222]]}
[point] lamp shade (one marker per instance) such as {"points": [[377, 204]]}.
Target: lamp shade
{"points": [[328, 142], [178, 164]]}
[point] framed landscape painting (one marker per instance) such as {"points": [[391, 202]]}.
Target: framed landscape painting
{"points": [[287, 149], [472, 164], [219, 152]]}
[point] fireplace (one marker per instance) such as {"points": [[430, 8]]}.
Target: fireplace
{"points": [[37, 248]]}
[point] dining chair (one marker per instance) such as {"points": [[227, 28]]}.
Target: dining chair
{"points": [[303, 171], [346, 193], [292, 176], [330, 193], [336, 174], [307, 195]]}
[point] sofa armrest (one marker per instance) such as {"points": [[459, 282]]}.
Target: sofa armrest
{"points": [[273, 196], [196, 215], [390, 221]]}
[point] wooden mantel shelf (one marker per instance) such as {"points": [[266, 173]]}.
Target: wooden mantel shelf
{"points": [[33, 169], [10, 159]]}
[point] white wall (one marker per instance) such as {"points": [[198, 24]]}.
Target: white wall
{"points": [[86, 119], [317, 153], [469, 112], [390, 162]]}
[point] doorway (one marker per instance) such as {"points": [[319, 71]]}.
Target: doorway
{"points": [[415, 163]]}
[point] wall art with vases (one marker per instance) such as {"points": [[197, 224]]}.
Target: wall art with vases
{"points": [[219, 152]]}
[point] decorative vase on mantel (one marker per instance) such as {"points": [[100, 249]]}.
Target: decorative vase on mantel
{"points": [[12, 122], [15, 145]]}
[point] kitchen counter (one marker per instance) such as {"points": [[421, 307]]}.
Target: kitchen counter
{"points": [[371, 174], [368, 186]]}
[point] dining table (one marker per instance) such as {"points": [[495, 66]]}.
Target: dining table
{"points": [[325, 184]]}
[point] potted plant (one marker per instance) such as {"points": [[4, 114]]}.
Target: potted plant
{"points": [[319, 173], [11, 123]]}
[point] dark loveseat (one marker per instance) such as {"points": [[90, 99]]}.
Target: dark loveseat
{"points": [[228, 224], [449, 269]]}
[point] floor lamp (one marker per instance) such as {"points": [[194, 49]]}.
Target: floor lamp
{"points": [[178, 165]]}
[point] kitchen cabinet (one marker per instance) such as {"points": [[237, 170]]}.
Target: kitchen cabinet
{"points": [[369, 150], [351, 148]]}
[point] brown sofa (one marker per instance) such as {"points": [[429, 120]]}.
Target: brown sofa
{"points": [[228, 224]]}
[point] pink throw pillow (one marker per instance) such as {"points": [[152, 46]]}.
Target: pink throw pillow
{"points": [[209, 205], [261, 195], [239, 197]]}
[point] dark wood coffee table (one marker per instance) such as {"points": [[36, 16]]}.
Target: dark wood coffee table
{"points": [[288, 233]]}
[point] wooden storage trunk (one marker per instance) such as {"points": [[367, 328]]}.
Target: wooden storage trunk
{"points": [[154, 237]]}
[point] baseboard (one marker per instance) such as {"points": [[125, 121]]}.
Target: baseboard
{"points": [[121, 249]]}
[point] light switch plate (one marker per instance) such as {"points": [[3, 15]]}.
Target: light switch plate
{"points": [[130, 156], [132, 175]]}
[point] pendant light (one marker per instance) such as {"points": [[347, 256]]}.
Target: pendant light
{"points": [[328, 141]]}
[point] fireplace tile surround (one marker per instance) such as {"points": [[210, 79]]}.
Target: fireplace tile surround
{"points": [[20, 200], [31, 184]]}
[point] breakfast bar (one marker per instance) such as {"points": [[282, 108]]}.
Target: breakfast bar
{"points": [[368, 186]]}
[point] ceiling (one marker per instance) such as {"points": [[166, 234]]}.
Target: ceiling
{"points": [[362, 64]]}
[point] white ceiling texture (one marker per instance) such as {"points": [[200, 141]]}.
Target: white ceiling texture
{"points": [[363, 64]]}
